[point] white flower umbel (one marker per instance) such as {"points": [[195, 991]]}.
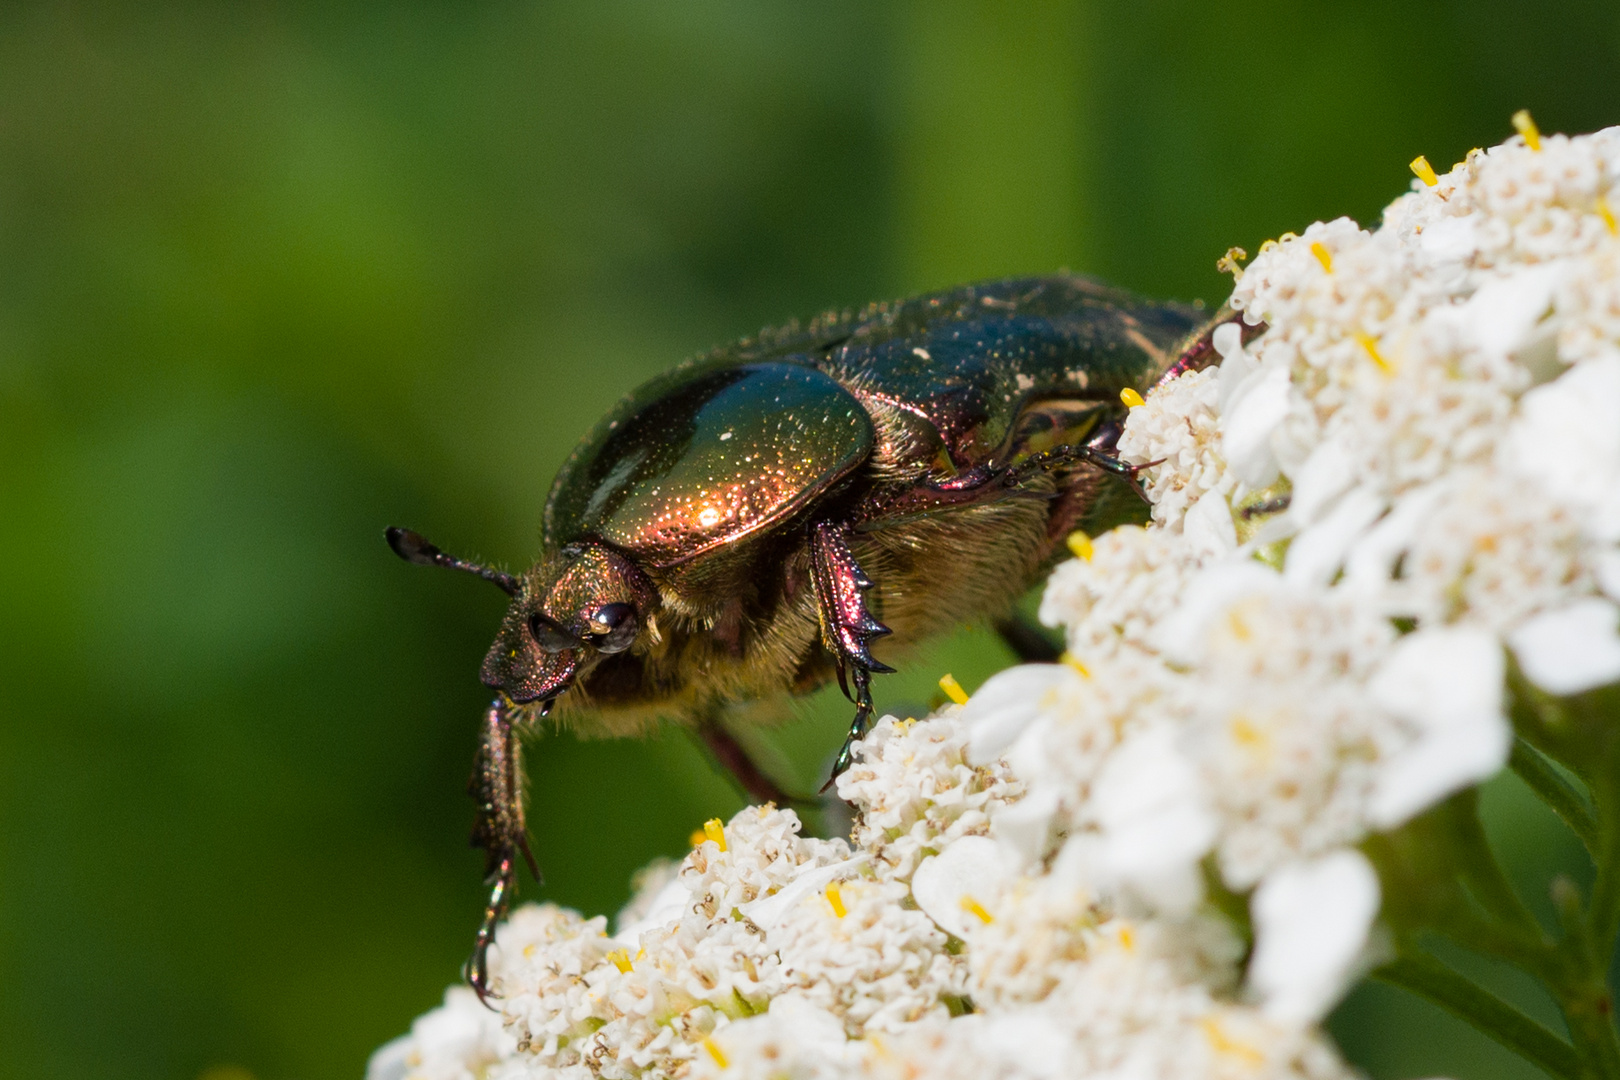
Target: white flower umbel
{"points": [[1399, 496]]}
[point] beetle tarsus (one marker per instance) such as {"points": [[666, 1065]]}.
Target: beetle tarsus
{"points": [[847, 627], [502, 883], [497, 787]]}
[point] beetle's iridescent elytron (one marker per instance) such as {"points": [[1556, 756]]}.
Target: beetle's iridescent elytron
{"points": [[753, 520]]}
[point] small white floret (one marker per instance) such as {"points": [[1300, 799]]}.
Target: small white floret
{"points": [[1155, 822], [1258, 408], [956, 887], [1573, 649], [1311, 924], [1009, 702], [1447, 685]]}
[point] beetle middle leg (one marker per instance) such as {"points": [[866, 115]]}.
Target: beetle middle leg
{"points": [[755, 781], [1026, 639], [497, 787], [847, 627]]}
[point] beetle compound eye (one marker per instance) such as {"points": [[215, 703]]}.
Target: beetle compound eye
{"points": [[549, 636], [613, 627]]}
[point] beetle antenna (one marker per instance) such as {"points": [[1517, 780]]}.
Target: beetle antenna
{"points": [[413, 547]]}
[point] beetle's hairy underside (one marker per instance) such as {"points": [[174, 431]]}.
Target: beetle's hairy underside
{"points": [[751, 522]]}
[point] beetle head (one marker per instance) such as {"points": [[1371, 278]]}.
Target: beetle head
{"points": [[566, 613], [572, 610]]}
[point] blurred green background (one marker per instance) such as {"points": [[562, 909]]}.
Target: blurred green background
{"points": [[275, 275]]}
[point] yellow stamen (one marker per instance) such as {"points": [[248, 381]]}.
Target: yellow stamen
{"points": [[1323, 255], [715, 1052], [1607, 214], [1131, 398], [1127, 938], [836, 899], [953, 689], [621, 959], [1080, 544], [1228, 263], [1424, 171], [1225, 1044], [974, 907], [1267, 245], [713, 830], [697, 837], [1245, 733], [1074, 662], [1370, 343], [1527, 127], [528, 951]]}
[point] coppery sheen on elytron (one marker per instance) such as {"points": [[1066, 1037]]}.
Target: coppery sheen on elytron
{"points": [[753, 520]]}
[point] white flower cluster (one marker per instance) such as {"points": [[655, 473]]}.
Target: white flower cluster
{"points": [[1412, 476]]}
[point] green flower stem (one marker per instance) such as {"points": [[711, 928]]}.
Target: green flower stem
{"points": [[1427, 977], [1582, 993], [1603, 912], [1570, 804]]}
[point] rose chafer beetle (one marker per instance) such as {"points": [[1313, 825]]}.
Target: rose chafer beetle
{"points": [[753, 520]]}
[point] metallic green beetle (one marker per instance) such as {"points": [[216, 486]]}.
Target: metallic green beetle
{"points": [[751, 521]]}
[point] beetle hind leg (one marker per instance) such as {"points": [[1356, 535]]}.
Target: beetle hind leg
{"points": [[847, 627], [497, 787]]}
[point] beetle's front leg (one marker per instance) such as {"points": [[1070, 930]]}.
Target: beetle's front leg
{"points": [[497, 787], [847, 627]]}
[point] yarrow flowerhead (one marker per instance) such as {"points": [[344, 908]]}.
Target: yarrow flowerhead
{"points": [[1148, 860]]}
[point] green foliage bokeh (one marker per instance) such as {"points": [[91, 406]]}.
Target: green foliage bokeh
{"points": [[273, 276]]}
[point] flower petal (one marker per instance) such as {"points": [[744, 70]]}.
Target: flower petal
{"points": [[767, 911], [1258, 408], [969, 872], [1446, 683], [1154, 819], [1208, 526], [1317, 553], [1311, 926], [1572, 649], [1007, 703]]}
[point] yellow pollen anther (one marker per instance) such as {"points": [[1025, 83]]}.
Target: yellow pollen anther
{"points": [[697, 837], [953, 689], [1245, 733], [1080, 544], [714, 830], [975, 908], [1607, 214], [836, 899], [1323, 255], [1127, 938], [715, 1052], [1074, 662], [1222, 1043], [620, 958], [1228, 263], [1131, 398], [1370, 343], [1424, 171], [1527, 127]]}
